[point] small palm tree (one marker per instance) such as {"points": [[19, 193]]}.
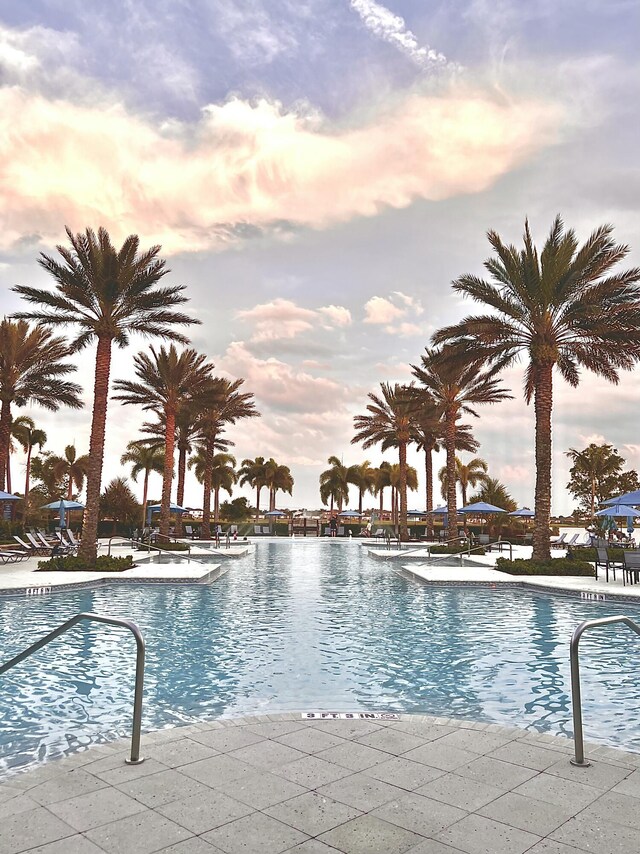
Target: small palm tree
{"points": [[390, 421], [334, 484], [467, 474], [395, 483], [381, 482], [493, 491], [70, 468], [221, 471], [362, 476], [118, 503], [29, 437], [253, 474], [563, 308], [106, 294], [456, 386], [222, 404], [595, 463], [146, 458], [167, 381], [32, 370], [279, 478]]}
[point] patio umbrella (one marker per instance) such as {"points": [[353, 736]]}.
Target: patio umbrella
{"points": [[275, 513], [617, 510], [627, 498], [442, 511], [482, 507], [6, 496], [155, 508], [353, 513], [62, 506], [523, 513]]}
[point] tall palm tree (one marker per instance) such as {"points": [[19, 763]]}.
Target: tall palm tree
{"points": [[334, 484], [390, 421], [146, 458], [28, 436], [467, 474], [253, 473], [106, 294], [167, 381], [563, 308], [279, 478], [223, 404], [363, 477], [32, 369], [71, 468], [456, 386], [395, 483], [382, 481], [222, 472]]}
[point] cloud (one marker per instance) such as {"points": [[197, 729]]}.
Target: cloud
{"points": [[283, 319], [281, 386], [381, 310], [245, 166], [393, 29], [392, 316], [337, 315]]}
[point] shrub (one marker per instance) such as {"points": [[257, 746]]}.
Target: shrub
{"points": [[105, 563], [454, 550], [586, 553], [554, 566], [171, 547]]}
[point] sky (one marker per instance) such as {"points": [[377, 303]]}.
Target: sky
{"points": [[317, 173]]}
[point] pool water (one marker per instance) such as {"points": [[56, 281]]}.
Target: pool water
{"points": [[310, 625]]}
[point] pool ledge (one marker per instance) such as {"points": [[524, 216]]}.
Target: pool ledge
{"points": [[473, 576], [276, 782]]}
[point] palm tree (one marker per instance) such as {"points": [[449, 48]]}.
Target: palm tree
{"points": [[455, 386], [119, 503], [563, 308], [221, 471], [334, 484], [279, 478], [223, 404], [492, 491], [390, 422], [382, 481], [147, 458], [395, 483], [49, 486], [31, 371], [469, 474], [70, 468], [595, 463], [28, 436], [168, 380], [253, 474], [106, 294], [363, 477]]}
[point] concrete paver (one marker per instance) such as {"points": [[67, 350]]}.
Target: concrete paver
{"points": [[522, 796]]}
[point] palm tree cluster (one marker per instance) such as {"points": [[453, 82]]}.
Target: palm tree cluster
{"points": [[563, 308], [260, 474], [105, 294]]}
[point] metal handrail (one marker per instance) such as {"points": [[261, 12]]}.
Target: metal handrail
{"points": [[135, 758], [148, 546], [576, 699]]}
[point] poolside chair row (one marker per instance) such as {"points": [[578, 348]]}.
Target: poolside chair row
{"points": [[38, 545], [12, 556], [261, 531]]}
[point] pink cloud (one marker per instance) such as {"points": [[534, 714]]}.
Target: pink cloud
{"points": [[242, 165]]}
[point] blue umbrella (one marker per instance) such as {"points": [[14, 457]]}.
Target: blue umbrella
{"points": [[155, 508], [63, 502], [617, 510], [350, 513], [6, 496], [523, 513], [275, 513], [442, 511], [627, 498], [482, 507]]}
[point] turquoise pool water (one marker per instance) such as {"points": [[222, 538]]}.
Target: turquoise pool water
{"points": [[312, 626]]}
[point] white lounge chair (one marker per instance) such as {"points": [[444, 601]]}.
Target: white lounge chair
{"points": [[558, 542]]}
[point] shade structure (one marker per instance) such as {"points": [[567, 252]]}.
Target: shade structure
{"points": [[618, 510], [523, 513], [64, 503], [416, 512], [275, 513], [173, 508], [481, 507], [628, 498], [7, 496], [354, 513], [442, 511]]}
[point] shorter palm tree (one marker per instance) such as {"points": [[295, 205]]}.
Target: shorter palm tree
{"points": [[334, 484], [362, 476], [279, 478], [118, 503], [147, 458], [467, 474], [395, 483], [29, 437], [223, 475], [71, 468], [253, 473], [381, 482]]}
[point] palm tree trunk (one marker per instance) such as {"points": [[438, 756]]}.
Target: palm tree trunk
{"points": [[216, 505], [543, 406], [450, 442], [145, 488], [69, 488], [381, 502], [258, 491], [428, 476], [27, 477], [182, 468], [88, 550], [404, 531], [360, 498], [5, 439], [167, 475], [205, 532], [272, 499], [9, 468]]}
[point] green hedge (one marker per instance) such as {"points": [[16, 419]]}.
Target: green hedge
{"points": [[105, 563], [454, 550], [554, 566], [168, 547], [586, 553]]}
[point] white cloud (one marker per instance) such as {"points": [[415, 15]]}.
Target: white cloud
{"points": [[393, 317], [393, 29], [381, 310], [283, 319], [337, 315]]}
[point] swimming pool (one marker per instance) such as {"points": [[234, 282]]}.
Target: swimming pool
{"points": [[313, 625]]}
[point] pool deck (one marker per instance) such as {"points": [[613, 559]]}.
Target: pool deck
{"points": [[281, 783]]}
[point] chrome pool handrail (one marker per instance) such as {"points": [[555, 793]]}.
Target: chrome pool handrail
{"points": [[149, 547], [576, 698], [134, 758]]}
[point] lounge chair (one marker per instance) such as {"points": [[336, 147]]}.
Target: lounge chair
{"points": [[257, 530], [558, 542], [32, 547], [326, 531], [483, 539], [341, 531], [12, 556], [631, 568], [379, 532], [573, 541], [527, 540], [605, 561], [266, 530]]}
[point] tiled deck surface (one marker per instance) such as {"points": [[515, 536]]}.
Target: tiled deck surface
{"points": [[280, 783]]}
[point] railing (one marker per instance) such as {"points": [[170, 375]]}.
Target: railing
{"points": [[134, 758], [576, 698], [142, 545]]}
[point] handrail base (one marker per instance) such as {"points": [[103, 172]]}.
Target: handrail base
{"points": [[584, 764], [134, 761]]}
